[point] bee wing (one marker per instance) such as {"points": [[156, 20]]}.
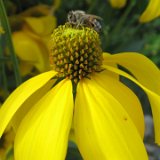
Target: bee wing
{"points": [[79, 12], [93, 16]]}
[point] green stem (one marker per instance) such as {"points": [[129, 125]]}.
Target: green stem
{"points": [[94, 5], [121, 21], [8, 34], [4, 58], [2, 69]]}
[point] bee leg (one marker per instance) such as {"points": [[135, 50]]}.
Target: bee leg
{"points": [[81, 21]]}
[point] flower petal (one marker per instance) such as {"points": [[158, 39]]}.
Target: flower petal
{"points": [[125, 96], [20, 95], [26, 48], [152, 11], [118, 3], [102, 126], [153, 98], [43, 134], [140, 66], [31, 50], [113, 64], [25, 68], [41, 22], [29, 103]]}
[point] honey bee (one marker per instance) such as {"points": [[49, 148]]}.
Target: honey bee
{"points": [[80, 18]]}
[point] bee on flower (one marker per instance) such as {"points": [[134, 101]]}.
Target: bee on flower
{"points": [[80, 18]]}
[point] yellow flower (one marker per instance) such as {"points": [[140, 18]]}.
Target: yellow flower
{"points": [[6, 143], [118, 3], [30, 43], [83, 94], [1, 30], [152, 11]]}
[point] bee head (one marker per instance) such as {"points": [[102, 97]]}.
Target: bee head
{"points": [[71, 17]]}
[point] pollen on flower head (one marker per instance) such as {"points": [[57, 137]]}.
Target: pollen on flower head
{"points": [[75, 52]]}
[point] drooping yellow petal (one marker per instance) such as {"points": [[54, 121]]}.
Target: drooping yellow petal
{"points": [[30, 50], [25, 47], [20, 95], [103, 129], [152, 11], [141, 67], [153, 98], [118, 3], [43, 134], [113, 64], [29, 103], [125, 96], [25, 68], [45, 24]]}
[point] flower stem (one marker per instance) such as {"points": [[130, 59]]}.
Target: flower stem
{"points": [[121, 21], [2, 70], [5, 25]]}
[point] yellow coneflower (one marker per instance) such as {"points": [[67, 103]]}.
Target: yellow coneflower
{"points": [[118, 3], [83, 92], [30, 43], [151, 12]]}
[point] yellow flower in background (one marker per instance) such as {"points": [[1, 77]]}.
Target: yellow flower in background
{"points": [[118, 3], [1, 30], [152, 11], [6, 143], [83, 93], [30, 43]]}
